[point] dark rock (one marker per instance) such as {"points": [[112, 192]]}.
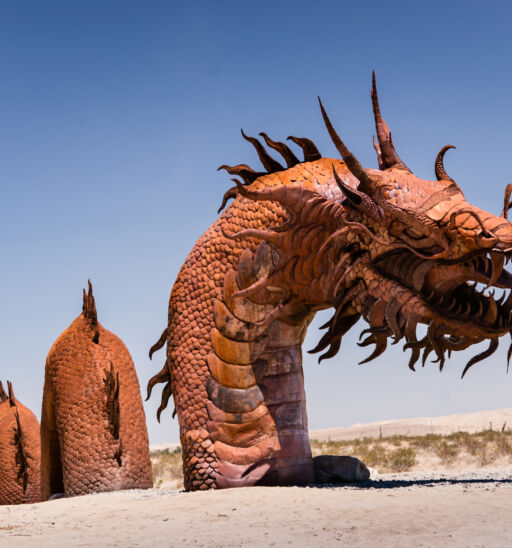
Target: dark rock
{"points": [[339, 469]]}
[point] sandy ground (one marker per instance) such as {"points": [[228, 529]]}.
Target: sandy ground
{"points": [[473, 509], [425, 508], [448, 424]]}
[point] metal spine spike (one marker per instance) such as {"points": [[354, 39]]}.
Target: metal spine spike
{"points": [[268, 162]]}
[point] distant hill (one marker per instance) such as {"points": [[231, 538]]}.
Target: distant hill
{"points": [[497, 419]]}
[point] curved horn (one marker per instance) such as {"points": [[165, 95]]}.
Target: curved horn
{"points": [[389, 157], [441, 174], [352, 162]]}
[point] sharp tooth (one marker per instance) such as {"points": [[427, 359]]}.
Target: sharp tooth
{"points": [[419, 274], [466, 308], [500, 302], [496, 264], [492, 311], [451, 308]]}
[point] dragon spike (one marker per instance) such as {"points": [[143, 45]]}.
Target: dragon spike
{"points": [[309, 149], [162, 376], [441, 174], [493, 345], [289, 157], [166, 394], [367, 184], [268, 162], [161, 341], [12, 400], [89, 306], [242, 170], [3, 395], [231, 193], [506, 203], [389, 156]]}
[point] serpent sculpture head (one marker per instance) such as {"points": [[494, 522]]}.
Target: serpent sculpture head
{"points": [[381, 244]]}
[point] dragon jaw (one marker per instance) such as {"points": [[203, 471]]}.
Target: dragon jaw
{"points": [[396, 250]]}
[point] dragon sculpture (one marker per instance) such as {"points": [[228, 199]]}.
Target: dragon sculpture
{"points": [[20, 451], [381, 244], [93, 427]]}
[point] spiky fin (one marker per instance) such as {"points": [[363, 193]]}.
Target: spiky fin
{"points": [[89, 312], [248, 174], [12, 400], [21, 456], [89, 306], [111, 382]]}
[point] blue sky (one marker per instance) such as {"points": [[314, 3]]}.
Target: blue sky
{"points": [[114, 116]]}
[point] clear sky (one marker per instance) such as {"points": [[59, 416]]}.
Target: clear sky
{"points": [[114, 116]]}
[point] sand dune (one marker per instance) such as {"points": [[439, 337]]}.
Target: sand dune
{"points": [[448, 424]]}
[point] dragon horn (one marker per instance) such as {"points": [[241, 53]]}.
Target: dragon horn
{"points": [[441, 174], [390, 157], [367, 184]]}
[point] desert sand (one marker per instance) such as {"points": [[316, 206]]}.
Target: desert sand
{"points": [[426, 508], [415, 512]]}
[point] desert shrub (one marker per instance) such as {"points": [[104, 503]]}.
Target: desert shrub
{"points": [[167, 466], [472, 445], [425, 442], [486, 455], [447, 452], [396, 441], [503, 446], [375, 455], [402, 459], [484, 451], [489, 435]]}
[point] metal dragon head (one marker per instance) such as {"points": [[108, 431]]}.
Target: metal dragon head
{"points": [[393, 248]]}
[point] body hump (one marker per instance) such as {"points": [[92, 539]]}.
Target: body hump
{"points": [[20, 451], [94, 435]]}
